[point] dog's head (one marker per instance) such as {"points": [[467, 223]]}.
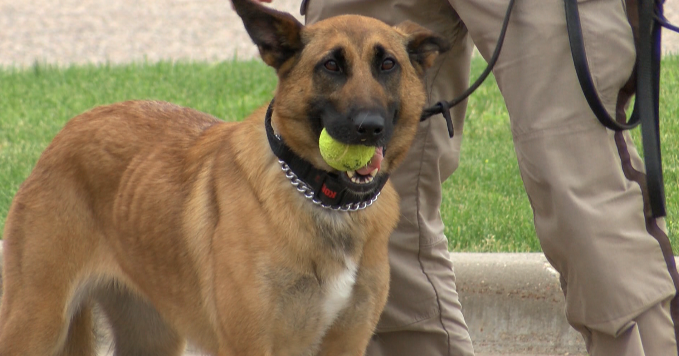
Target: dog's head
{"points": [[355, 76]]}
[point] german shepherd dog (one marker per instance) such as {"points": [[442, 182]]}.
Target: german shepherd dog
{"points": [[235, 237]]}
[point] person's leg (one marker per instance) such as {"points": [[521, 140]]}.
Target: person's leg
{"points": [[651, 333], [583, 181], [423, 314]]}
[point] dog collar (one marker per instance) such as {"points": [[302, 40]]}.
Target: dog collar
{"points": [[323, 188]]}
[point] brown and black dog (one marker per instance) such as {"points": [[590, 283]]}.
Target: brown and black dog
{"points": [[182, 227]]}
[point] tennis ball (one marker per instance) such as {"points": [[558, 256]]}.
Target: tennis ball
{"points": [[341, 156]]}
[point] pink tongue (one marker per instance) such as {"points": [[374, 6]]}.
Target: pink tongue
{"points": [[375, 163]]}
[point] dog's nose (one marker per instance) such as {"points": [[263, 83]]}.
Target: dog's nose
{"points": [[369, 125]]}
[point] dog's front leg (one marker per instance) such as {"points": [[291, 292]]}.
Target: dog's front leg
{"points": [[350, 333]]}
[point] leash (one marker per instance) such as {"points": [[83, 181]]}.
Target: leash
{"points": [[646, 109], [646, 106], [443, 107]]}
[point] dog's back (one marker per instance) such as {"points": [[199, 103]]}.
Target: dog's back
{"points": [[81, 206]]}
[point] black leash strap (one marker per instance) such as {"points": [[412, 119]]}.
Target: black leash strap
{"points": [[662, 20], [443, 107], [646, 107], [646, 110], [648, 97], [584, 75]]}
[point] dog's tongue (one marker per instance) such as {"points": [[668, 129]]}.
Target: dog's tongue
{"points": [[375, 163]]}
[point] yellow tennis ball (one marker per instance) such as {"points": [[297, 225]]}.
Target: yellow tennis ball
{"points": [[341, 156]]}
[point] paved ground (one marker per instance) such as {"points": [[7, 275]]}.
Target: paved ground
{"points": [[87, 31], [96, 31]]}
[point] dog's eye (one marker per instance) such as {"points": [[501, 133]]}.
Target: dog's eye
{"points": [[388, 64], [331, 66]]}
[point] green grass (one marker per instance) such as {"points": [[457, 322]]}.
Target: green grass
{"points": [[485, 207]]}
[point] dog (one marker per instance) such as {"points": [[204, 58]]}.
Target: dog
{"points": [[235, 237]]}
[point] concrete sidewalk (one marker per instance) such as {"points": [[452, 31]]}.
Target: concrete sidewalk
{"points": [[102, 31], [513, 304]]}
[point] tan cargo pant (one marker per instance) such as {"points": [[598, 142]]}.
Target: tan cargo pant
{"points": [[581, 179]]}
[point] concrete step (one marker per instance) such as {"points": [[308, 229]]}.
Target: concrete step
{"points": [[513, 304]]}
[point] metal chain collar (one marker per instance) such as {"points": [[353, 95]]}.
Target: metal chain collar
{"points": [[309, 194]]}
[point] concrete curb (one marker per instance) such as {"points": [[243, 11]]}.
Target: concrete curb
{"points": [[512, 302]]}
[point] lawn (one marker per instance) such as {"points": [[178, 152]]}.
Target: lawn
{"points": [[484, 207]]}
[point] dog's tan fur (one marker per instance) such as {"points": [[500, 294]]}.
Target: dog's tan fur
{"points": [[183, 227]]}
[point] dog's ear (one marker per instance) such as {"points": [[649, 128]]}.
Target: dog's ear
{"points": [[276, 34], [423, 45]]}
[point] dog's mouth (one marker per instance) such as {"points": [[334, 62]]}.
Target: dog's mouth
{"points": [[367, 174], [365, 180]]}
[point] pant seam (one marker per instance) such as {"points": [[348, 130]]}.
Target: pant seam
{"points": [[418, 319], [419, 229], [651, 224]]}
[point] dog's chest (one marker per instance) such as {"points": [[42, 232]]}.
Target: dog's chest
{"points": [[337, 290], [312, 298], [336, 240]]}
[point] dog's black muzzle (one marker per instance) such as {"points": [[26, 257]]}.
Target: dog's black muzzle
{"points": [[370, 127]]}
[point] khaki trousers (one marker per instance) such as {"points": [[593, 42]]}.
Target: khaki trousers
{"points": [[582, 180]]}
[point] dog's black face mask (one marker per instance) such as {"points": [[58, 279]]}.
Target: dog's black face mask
{"points": [[357, 94], [369, 126]]}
